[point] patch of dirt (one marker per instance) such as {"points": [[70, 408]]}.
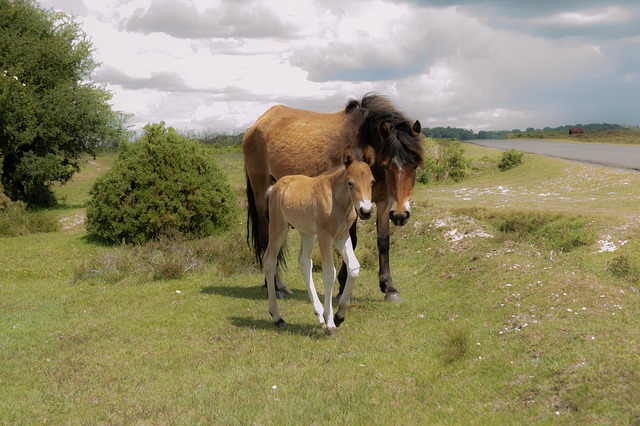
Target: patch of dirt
{"points": [[71, 222]]}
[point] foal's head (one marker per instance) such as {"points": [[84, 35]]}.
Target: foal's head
{"points": [[360, 182]]}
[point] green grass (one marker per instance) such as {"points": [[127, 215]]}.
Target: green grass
{"points": [[505, 329]]}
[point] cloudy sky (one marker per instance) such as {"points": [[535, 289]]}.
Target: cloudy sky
{"points": [[475, 64]]}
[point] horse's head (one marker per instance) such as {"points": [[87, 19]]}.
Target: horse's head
{"points": [[360, 182], [400, 155]]}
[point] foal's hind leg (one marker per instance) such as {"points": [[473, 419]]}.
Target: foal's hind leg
{"points": [[278, 229], [306, 266]]}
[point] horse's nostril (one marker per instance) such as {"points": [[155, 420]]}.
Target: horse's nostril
{"points": [[399, 219]]}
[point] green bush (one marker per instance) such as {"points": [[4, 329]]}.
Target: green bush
{"points": [[16, 220], [445, 162], [510, 159], [161, 184]]}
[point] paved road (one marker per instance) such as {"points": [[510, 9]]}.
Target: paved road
{"points": [[612, 155]]}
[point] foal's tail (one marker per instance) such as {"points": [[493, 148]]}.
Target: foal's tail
{"points": [[282, 254], [254, 238]]}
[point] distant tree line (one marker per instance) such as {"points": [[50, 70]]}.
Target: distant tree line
{"points": [[215, 138], [466, 134]]}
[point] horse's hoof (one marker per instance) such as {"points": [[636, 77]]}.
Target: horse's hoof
{"points": [[280, 324], [279, 295], [393, 297], [338, 320], [286, 290], [332, 331]]}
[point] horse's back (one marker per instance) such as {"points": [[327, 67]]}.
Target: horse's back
{"points": [[294, 141]]}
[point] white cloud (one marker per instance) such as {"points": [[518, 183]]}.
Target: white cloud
{"points": [[220, 64]]}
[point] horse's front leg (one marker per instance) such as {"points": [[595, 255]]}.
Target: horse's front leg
{"points": [[384, 273], [353, 266], [328, 278]]}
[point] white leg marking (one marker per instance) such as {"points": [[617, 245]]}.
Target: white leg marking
{"points": [[353, 268], [328, 277], [306, 266]]}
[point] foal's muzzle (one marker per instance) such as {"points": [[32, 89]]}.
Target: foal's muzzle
{"points": [[363, 213], [399, 218]]}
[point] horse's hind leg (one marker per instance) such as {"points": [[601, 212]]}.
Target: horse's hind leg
{"points": [[353, 267], [306, 266]]}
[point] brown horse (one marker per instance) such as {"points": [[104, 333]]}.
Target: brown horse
{"points": [[286, 141], [324, 206]]}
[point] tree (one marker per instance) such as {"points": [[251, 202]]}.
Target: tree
{"points": [[50, 111]]}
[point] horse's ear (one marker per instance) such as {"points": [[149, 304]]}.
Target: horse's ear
{"points": [[416, 127], [385, 130], [347, 156]]}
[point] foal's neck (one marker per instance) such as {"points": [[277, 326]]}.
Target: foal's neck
{"points": [[340, 189]]}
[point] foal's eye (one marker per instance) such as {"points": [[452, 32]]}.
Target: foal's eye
{"points": [[350, 184]]}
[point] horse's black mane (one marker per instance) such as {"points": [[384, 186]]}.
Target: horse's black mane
{"points": [[405, 147]]}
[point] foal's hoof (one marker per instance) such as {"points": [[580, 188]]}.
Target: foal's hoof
{"points": [[279, 295], [339, 296], [332, 331], [393, 297], [280, 324], [338, 320]]}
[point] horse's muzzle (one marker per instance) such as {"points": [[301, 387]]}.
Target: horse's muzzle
{"points": [[399, 218]]}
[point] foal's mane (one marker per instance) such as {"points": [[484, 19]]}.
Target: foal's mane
{"points": [[405, 147]]}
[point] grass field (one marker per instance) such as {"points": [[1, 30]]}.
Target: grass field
{"points": [[521, 306]]}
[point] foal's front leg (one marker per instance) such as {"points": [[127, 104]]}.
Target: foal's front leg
{"points": [[328, 277], [353, 270], [306, 266]]}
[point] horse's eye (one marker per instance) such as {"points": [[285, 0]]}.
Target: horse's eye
{"points": [[373, 181], [350, 184]]}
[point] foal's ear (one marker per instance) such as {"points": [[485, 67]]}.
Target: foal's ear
{"points": [[416, 127], [347, 156], [369, 155]]}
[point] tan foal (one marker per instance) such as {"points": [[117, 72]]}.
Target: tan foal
{"points": [[324, 207]]}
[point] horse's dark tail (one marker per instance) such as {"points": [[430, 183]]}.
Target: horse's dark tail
{"points": [[254, 238]]}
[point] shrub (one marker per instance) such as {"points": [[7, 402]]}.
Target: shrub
{"points": [[16, 220], [510, 159], [446, 161], [161, 184]]}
